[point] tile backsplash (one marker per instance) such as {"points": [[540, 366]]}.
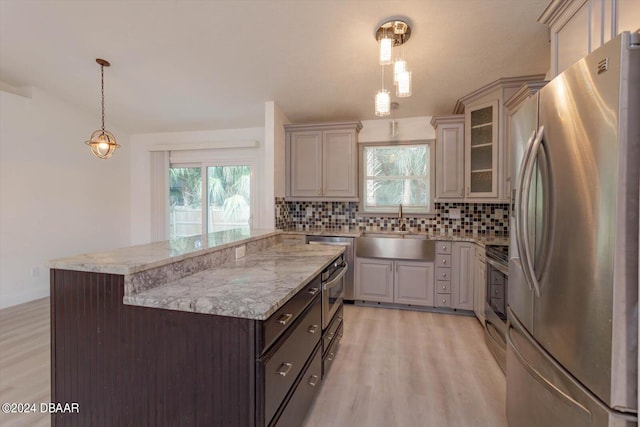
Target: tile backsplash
{"points": [[473, 218]]}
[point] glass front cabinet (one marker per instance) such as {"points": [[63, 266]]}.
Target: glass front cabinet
{"points": [[481, 150]]}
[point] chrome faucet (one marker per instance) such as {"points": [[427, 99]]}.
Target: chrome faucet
{"points": [[403, 226]]}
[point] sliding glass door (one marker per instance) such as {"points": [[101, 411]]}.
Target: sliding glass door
{"points": [[204, 198]]}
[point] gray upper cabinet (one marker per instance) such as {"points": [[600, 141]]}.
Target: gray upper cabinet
{"points": [[578, 27], [449, 156], [322, 161], [485, 144]]}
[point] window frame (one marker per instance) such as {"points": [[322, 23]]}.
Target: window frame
{"points": [[204, 165], [387, 211]]}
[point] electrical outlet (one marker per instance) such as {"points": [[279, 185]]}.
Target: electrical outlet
{"points": [[241, 251], [454, 214]]}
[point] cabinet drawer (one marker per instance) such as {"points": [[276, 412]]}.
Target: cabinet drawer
{"points": [[497, 291], [498, 303], [279, 321], [443, 260], [327, 359], [305, 391], [443, 247], [443, 287], [443, 273], [282, 366], [443, 300], [497, 278], [331, 333]]}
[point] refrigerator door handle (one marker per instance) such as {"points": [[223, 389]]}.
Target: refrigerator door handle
{"points": [[535, 374], [524, 200], [518, 204]]}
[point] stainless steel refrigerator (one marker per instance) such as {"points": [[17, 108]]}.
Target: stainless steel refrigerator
{"points": [[572, 337]]}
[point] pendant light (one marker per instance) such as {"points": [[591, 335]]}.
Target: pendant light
{"points": [[102, 142], [383, 100], [393, 32]]}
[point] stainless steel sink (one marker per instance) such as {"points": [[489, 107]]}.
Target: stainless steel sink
{"points": [[395, 248]]}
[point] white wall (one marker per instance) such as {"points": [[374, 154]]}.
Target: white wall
{"points": [[141, 174], [275, 141], [56, 199], [409, 129]]}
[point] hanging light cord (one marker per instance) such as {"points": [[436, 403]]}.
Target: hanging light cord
{"points": [[102, 92]]}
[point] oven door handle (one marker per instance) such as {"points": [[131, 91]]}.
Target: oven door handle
{"points": [[498, 266], [331, 283]]}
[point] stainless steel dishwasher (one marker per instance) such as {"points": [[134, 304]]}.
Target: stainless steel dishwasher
{"points": [[347, 242]]}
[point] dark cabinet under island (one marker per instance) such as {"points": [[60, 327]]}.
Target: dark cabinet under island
{"points": [[197, 340]]}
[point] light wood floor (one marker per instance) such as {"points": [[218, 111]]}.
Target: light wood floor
{"points": [[394, 368]]}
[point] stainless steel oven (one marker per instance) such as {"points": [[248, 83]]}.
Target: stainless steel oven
{"points": [[497, 282], [333, 283]]}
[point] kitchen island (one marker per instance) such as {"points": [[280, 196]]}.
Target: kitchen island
{"points": [[188, 332]]}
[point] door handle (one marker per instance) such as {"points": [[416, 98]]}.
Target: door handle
{"points": [[518, 202], [284, 369], [526, 188]]}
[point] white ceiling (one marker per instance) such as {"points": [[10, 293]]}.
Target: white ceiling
{"points": [[195, 65]]}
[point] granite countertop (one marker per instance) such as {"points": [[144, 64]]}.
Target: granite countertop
{"points": [[138, 258], [253, 287], [481, 239]]}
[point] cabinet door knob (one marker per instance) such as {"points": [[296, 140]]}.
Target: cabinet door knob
{"points": [[444, 301], [312, 329], [284, 318], [284, 369], [444, 261], [444, 248]]}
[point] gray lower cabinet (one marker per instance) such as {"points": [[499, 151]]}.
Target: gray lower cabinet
{"points": [[479, 283], [462, 275], [402, 282]]}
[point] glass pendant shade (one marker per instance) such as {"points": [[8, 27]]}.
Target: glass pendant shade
{"points": [[383, 103], [102, 143], [403, 88], [386, 45], [399, 66]]}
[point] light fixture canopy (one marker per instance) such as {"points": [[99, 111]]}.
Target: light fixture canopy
{"points": [[102, 142], [397, 29]]}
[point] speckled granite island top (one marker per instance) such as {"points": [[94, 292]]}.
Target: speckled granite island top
{"points": [[138, 258], [253, 287]]}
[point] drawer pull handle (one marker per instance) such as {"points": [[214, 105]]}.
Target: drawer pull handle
{"points": [[444, 274], [284, 369], [284, 318], [312, 329], [444, 248], [330, 356], [313, 291], [444, 301], [444, 261], [444, 287], [339, 319], [330, 336], [313, 380]]}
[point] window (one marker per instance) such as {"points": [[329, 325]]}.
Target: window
{"points": [[222, 202], [397, 174]]}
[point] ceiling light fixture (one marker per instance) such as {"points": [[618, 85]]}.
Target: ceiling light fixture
{"points": [[393, 32], [102, 142]]}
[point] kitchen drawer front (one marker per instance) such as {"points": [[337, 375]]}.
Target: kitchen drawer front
{"points": [[304, 394], [443, 247], [443, 260], [282, 366], [286, 315], [497, 291], [332, 331], [443, 287], [443, 273], [443, 300], [497, 278], [327, 359]]}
